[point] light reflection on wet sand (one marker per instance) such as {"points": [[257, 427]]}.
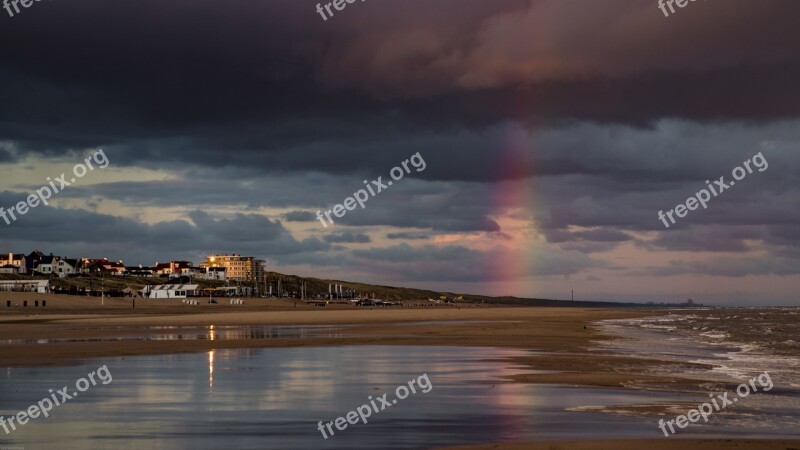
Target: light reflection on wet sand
{"points": [[273, 398]]}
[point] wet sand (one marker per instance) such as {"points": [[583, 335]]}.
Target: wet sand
{"points": [[543, 329], [562, 334], [649, 444], [564, 339]]}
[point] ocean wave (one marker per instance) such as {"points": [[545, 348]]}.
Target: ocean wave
{"points": [[715, 335], [736, 342]]}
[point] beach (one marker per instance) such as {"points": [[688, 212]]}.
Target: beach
{"points": [[556, 346], [544, 329], [703, 444]]}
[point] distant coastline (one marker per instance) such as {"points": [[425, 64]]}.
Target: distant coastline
{"points": [[315, 288]]}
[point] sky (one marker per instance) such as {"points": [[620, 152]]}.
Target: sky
{"points": [[552, 133]]}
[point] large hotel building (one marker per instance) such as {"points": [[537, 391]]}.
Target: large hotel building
{"points": [[240, 268]]}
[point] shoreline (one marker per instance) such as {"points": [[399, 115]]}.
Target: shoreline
{"points": [[562, 341], [544, 329], [563, 346], [638, 444]]}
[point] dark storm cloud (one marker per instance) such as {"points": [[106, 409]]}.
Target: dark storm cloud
{"points": [[299, 216], [6, 156], [436, 206], [347, 237], [615, 113], [73, 232], [597, 235], [407, 236], [709, 239], [614, 183], [591, 176], [457, 263], [596, 240], [242, 227], [159, 75], [588, 247], [425, 264], [727, 267], [786, 233]]}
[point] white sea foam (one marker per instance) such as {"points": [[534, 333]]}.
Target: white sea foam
{"points": [[691, 338]]}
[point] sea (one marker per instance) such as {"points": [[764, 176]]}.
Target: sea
{"points": [[728, 347], [256, 398], [737, 342]]}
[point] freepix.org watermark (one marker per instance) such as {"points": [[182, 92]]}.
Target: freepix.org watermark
{"points": [[59, 397], [362, 412], [375, 187], [338, 5], [719, 402], [44, 193], [7, 4], [664, 4], [702, 197]]}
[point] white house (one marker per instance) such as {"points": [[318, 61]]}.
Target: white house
{"points": [[44, 267], [56, 265], [66, 266], [166, 291], [9, 269], [214, 273], [40, 286]]}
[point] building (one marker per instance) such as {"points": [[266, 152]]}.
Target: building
{"points": [[234, 291], [168, 291], [13, 259], [140, 271], [33, 260], [8, 269], [45, 265], [39, 286], [65, 267], [102, 266], [55, 265], [162, 269], [238, 268], [213, 273], [174, 269]]}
